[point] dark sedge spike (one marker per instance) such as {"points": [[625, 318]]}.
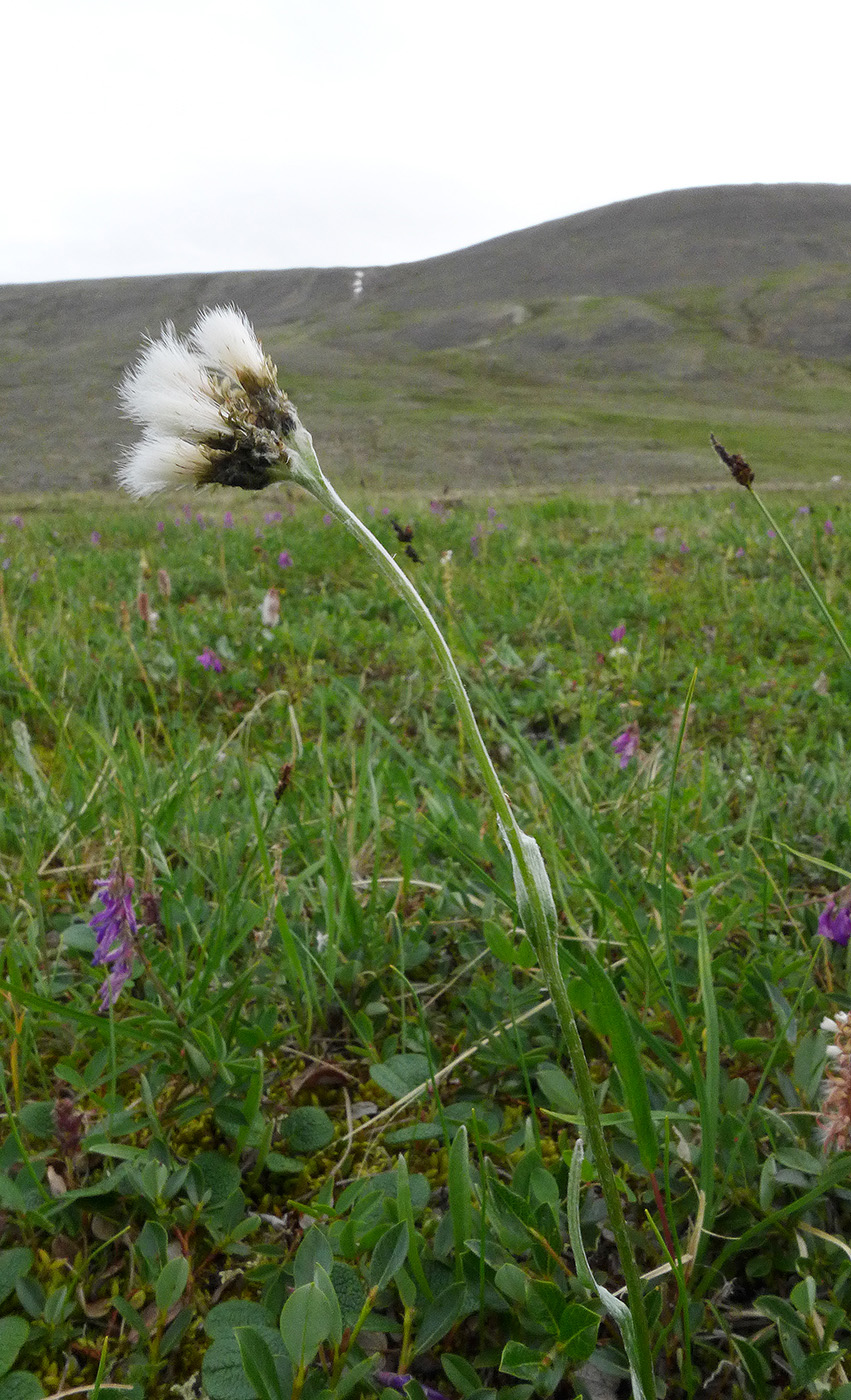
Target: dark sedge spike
{"points": [[739, 468]]}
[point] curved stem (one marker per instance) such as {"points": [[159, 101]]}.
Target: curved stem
{"points": [[537, 907]]}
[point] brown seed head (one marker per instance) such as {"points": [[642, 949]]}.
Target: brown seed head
{"points": [[739, 468]]}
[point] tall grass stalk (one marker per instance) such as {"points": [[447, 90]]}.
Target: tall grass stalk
{"points": [[743, 474], [534, 896]]}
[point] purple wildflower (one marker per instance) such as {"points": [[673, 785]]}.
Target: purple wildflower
{"points": [[436, 508], [187, 512], [327, 518], [474, 546], [385, 510], [618, 633], [393, 1381], [491, 513], [19, 521], [370, 510], [272, 517], [209, 660], [285, 559], [160, 526], [660, 533], [835, 923], [227, 520], [772, 534], [684, 549], [626, 744], [6, 563], [34, 576], [201, 521], [803, 510], [828, 527], [95, 537], [116, 929]]}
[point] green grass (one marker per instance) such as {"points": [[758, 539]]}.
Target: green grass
{"points": [[332, 924]]}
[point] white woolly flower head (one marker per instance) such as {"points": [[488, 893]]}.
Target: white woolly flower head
{"points": [[169, 391], [212, 413], [161, 463], [225, 340]]}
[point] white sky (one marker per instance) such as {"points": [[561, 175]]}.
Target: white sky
{"points": [[144, 136]]}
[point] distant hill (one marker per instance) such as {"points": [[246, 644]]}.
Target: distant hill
{"points": [[594, 347]]}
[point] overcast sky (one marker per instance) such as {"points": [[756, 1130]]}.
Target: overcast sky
{"points": [[144, 136]]}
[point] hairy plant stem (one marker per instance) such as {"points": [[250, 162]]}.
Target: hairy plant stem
{"points": [[537, 911]]}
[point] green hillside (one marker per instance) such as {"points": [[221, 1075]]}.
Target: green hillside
{"points": [[593, 350]]}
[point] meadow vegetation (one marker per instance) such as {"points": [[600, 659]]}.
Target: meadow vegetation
{"points": [[326, 1130]]}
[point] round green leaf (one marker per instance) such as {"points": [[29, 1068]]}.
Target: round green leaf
{"points": [[21, 1385], [400, 1073], [218, 1174], [13, 1333], [307, 1129], [236, 1312], [222, 1371], [14, 1263]]}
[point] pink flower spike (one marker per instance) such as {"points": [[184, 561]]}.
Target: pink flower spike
{"points": [[285, 560], [618, 633], [95, 537], [828, 528]]}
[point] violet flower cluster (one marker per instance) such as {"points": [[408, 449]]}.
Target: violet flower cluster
{"points": [[116, 930], [835, 923], [626, 744]]}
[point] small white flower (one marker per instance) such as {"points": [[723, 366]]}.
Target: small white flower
{"points": [[321, 942], [841, 1018], [270, 608], [225, 340], [821, 684], [833, 1052], [828, 1024], [159, 463], [835, 480]]}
